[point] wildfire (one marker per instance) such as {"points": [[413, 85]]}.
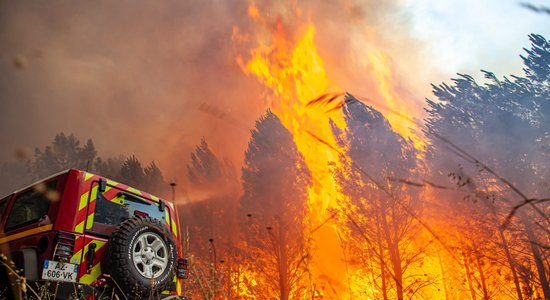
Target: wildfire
{"points": [[399, 111], [289, 65], [295, 73]]}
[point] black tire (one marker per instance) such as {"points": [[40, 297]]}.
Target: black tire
{"points": [[120, 257]]}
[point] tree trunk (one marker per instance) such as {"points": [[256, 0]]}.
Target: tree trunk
{"points": [[394, 254], [469, 278], [537, 257], [382, 263], [510, 262], [505, 247], [284, 289], [482, 277]]}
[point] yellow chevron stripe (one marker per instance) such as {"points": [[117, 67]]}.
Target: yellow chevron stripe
{"points": [[170, 204], [118, 200], [111, 182], [174, 228], [83, 201], [90, 221], [95, 272], [84, 197], [135, 191], [93, 196], [79, 228], [98, 246], [87, 176], [75, 259], [178, 287], [25, 233], [174, 280], [167, 217]]}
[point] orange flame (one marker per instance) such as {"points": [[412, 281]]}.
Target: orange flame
{"points": [[288, 64], [400, 112], [294, 72]]}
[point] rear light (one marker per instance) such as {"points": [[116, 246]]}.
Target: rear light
{"points": [[183, 265], [64, 247], [140, 213]]}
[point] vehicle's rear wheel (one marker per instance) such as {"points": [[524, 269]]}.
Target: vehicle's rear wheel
{"points": [[141, 251]]}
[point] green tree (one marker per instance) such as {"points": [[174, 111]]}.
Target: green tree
{"points": [[65, 152], [131, 172], [109, 167]]}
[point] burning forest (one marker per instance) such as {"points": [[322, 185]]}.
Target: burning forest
{"points": [[305, 166]]}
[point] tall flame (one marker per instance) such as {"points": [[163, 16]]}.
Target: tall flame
{"points": [[398, 111], [290, 66], [295, 73]]}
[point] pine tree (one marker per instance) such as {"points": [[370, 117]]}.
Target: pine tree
{"points": [[131, 172], [380, 227], [205, 167], [109, 167], [65, 152], [211, 219], [275, 181]]}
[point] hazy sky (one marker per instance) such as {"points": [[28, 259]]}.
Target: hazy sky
{"points": [[133, 75], [468, 35]]}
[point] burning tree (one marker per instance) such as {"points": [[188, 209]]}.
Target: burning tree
{"points": [[379, 211], [275, 181], [505, 126]]}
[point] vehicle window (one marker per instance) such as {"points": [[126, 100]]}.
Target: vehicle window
{"points": [[112, 213], [30, 207]]}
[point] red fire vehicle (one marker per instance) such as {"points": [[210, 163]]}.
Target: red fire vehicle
{"points": [[89, 235]]}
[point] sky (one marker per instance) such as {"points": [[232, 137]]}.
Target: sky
{"points": [[135, 76], [468, 35]]}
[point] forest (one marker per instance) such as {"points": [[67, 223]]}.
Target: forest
{"points": [[461, 213], [465, 217]]}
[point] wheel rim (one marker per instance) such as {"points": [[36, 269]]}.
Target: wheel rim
{"points": [[150, 255]]}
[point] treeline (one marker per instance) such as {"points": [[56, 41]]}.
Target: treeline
{"points": [[65, 152]]}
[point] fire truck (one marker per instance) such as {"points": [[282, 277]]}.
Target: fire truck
{"points": [[80, 235]]}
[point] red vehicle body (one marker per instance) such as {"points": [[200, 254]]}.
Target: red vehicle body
{"points": [[72, 218]]}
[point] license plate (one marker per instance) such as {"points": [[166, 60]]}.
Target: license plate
{"points": [[59, 271]]}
